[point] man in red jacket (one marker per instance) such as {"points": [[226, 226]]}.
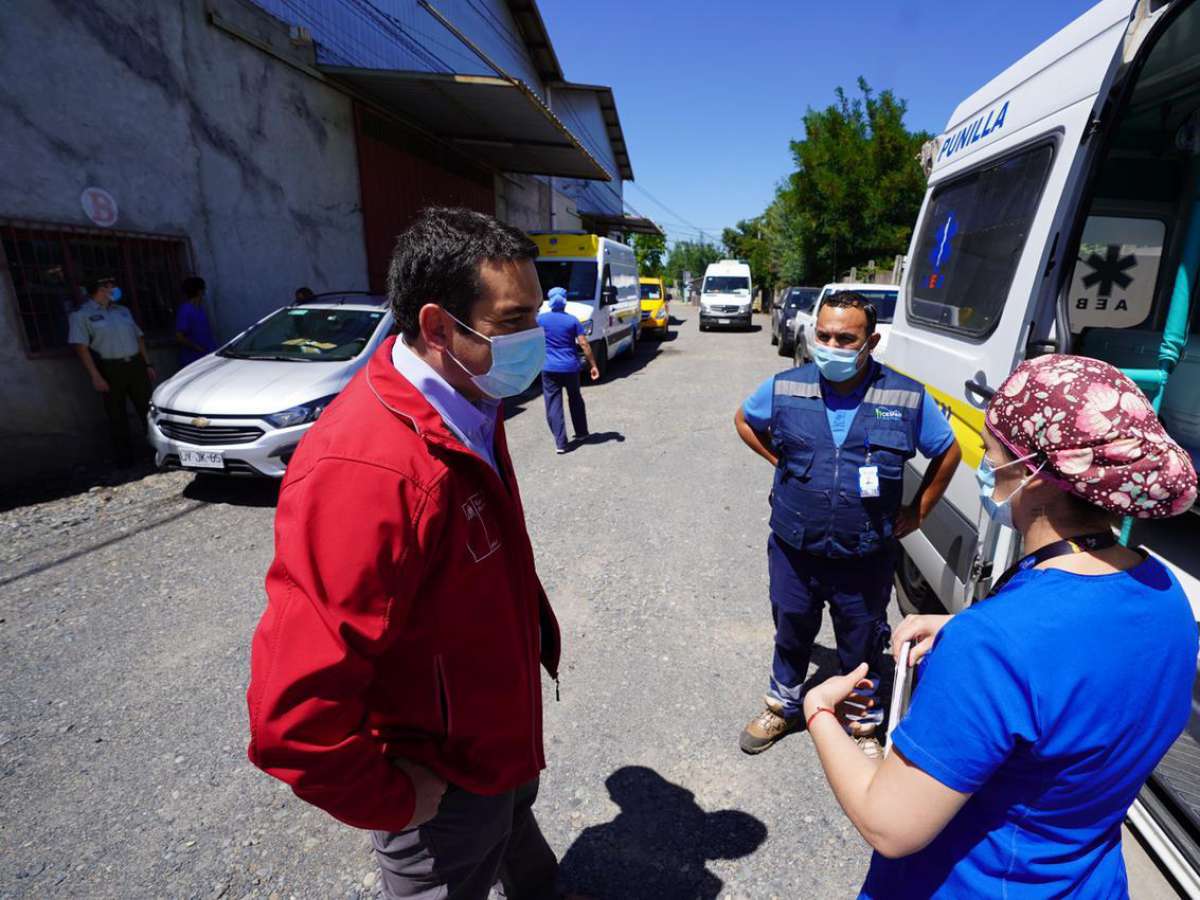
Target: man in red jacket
{"points": [[395, 675]]}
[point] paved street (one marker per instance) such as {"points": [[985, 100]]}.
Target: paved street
{"points": [[125, 620]]}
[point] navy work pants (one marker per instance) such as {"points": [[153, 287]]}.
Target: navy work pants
{"points": [[857, 591], [128, 383], [553, 384]]}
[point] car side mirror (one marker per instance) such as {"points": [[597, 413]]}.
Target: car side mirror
{"points": [[608, 295]]}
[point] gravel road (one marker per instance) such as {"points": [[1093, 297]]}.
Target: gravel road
{"points": [[125, 622]]}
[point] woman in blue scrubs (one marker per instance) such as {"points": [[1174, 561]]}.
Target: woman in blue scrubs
{"points": [[1040, 711]]}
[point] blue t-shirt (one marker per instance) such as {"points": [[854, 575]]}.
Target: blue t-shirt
{"points": [[192, 322], [562, 341], [934, 438], [1050, 703]]}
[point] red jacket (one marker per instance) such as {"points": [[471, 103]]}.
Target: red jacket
{"points": [[404, 615]]}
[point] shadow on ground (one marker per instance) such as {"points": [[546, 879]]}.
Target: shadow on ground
{"points": [[77, 481], [659, 845], [252, 492]]}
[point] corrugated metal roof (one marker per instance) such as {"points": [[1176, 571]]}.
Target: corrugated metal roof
{"points": [[536, 39], [612, 121], [499, 121]]}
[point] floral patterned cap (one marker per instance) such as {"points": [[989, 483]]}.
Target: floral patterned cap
{"points": [[1097, 434]]}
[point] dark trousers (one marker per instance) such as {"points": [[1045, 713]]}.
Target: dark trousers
{"points": [[472, 842], [857, 591], [553, 384], [127, 383]]}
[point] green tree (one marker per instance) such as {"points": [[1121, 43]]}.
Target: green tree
{"points": [[855, 192], [750, 241], [650, 249], [690, 256]]}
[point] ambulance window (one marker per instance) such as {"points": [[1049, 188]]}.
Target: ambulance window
{"points": [[1116, 271], [971, 242]]}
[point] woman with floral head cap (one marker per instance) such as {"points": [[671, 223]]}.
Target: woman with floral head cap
{"points": [[1040, 711]]}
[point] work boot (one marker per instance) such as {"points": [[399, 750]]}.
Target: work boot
{"points": [[767, 727]]}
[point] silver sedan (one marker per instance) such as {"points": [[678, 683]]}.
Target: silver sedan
{"points": [[243, 409]]}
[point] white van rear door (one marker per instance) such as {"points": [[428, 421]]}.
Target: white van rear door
{"points": [[980, 252]]}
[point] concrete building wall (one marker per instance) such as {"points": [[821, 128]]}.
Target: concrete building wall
{"points": [[195, 133], [523, 201]]}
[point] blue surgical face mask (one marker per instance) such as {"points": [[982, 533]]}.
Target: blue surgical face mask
{"points": [[835, 364], [115, 293], [1000, 512], [517, 359]]}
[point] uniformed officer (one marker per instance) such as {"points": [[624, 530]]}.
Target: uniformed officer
{"points": [[838, 431], [113, 351]]}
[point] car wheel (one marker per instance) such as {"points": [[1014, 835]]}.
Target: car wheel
{"points": [[786, 349], [914, 595]]}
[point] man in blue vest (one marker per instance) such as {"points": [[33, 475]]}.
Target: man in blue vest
{"points": [[838, 432]]}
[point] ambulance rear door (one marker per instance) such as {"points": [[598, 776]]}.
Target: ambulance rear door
{"points": [[984, 243]]}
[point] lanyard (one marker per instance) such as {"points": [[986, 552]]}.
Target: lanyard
{"points": [[1086, 543]]}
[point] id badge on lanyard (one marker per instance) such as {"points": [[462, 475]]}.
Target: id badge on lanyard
{"points": [[868, 477]]}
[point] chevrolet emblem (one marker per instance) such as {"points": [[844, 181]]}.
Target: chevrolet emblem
{"points": [[200, 422]]}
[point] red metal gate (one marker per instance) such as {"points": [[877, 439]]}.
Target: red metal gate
{"points": [[400, 174]]}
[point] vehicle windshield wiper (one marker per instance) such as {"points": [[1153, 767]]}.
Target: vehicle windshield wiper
{"points": [[281, 358]]}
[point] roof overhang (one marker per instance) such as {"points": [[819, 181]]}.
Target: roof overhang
{"points": [[498, 121], [628, 224], [612, 122], [536, 38]]}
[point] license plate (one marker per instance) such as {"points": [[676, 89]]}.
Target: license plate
{"points": [[202, 459], [722, 321]]}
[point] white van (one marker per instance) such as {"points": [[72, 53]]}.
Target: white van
{"points": [[601, 279], [883, 296], [1063, 215], [726, 295]]}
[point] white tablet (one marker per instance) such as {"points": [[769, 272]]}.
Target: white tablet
{"points": [[901, 694]]}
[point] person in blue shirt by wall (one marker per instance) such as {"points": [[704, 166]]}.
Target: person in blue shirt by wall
{"points": [[564, 338], [193, 332], [1041, 710], [838, 432]]}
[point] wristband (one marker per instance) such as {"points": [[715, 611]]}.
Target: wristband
{"points": [[820, 709]]}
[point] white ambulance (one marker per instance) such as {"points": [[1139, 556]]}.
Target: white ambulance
{"points": [[601, 279], [1063, 215], [726, 295]]}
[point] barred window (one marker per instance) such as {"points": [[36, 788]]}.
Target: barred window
{"points": [[49, 265]]}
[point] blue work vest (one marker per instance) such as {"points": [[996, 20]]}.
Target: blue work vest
{"points": [[816, 505]]}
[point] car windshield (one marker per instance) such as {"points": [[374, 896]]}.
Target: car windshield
{"points": [[800, 300], [308, 334], [651, 292], [885, 304], [726, 284], [578, 277]]}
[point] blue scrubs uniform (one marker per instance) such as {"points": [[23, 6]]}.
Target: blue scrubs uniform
{"points": [[856, 589], [561, 373]]}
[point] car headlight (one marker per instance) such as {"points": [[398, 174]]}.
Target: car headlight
{"points": [[299, 415], [587, 327], [662, 313]]}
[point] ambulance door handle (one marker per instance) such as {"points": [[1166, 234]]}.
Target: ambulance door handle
{"points": [[980, 390]]}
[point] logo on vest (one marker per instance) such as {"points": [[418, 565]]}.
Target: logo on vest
{"points": [[482, 541], [881, 413]]}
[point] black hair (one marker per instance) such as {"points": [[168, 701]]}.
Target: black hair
{"points": [[193, 286], [437, 261], [854, 300], [93, 284], [304, 293]]}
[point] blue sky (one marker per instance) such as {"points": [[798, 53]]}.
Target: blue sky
{"points": [[711, 92]]}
